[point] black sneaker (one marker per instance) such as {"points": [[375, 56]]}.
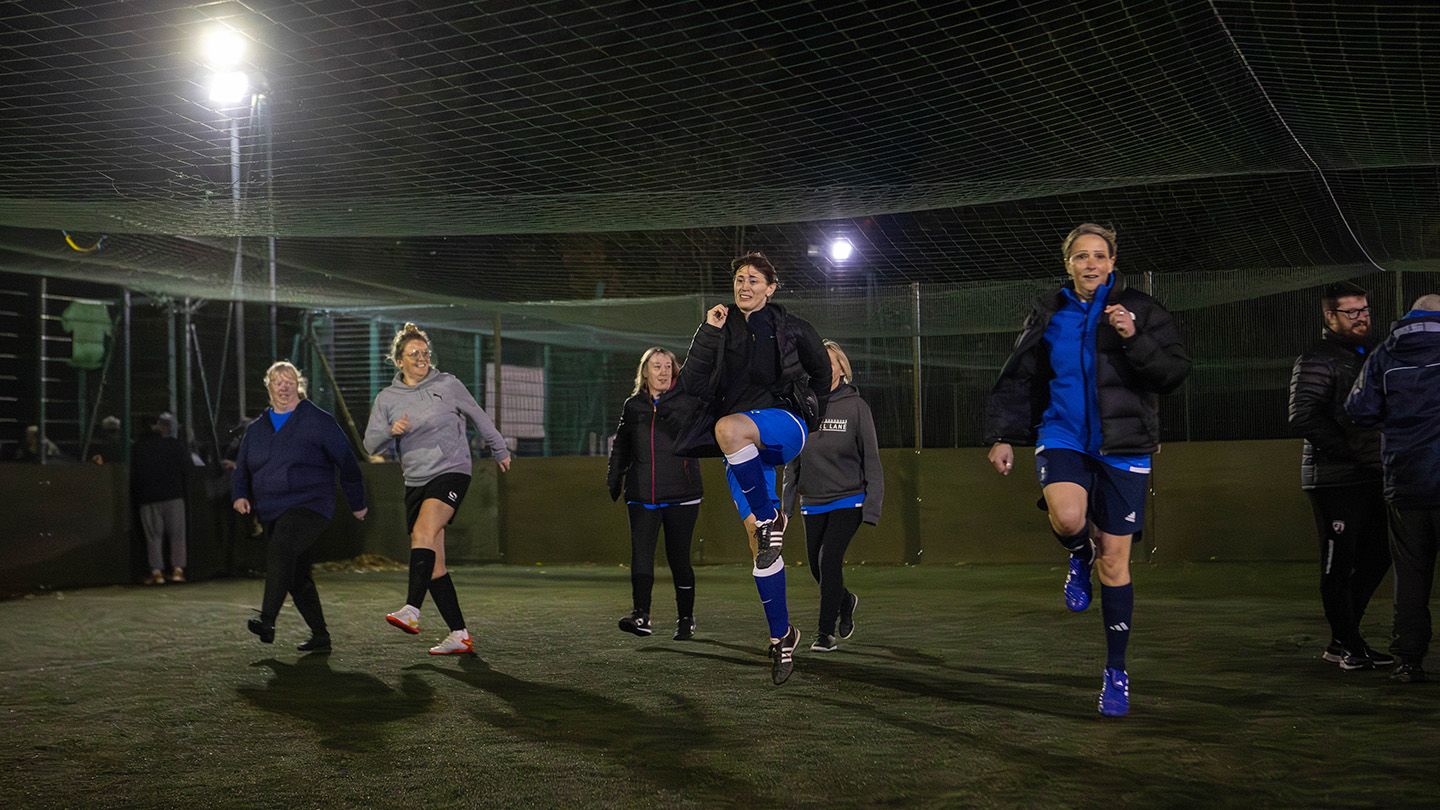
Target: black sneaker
{"points": [[768, 538], [782, 656], [316, 643], [824, 643], [1379, 659], [265, 631], [1353, 661], [684, 628], [638, 622], [1408, 673], [847, 616], [1334, 652]]}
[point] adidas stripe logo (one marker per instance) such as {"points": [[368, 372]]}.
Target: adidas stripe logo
{"points": [[1130, 518]]}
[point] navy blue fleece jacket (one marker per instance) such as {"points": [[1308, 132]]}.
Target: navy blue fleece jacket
{"points": [[295, 466]]}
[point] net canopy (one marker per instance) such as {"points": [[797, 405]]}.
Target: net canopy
{"points": [[457, 154]]}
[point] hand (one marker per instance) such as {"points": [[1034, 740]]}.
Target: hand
{"points": [[1002, 457], [717, 315], [241, 505], [504, 464], [1121, 320], [227, 464], [400, 425], [360, 515]]}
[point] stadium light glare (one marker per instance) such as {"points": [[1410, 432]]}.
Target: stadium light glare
{"points": [[841, 249], [229, 88], [223, 48]]}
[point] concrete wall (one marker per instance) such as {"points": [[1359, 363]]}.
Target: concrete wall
{"points": [[72, 525]]}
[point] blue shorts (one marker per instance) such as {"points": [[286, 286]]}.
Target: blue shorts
{"points": [[1117, 497], [783, 435]]}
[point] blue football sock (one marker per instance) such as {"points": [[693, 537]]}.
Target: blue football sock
{"points": [[1116, 606], [771, 585], [749, 472]]}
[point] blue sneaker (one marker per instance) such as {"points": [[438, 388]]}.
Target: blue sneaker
{"points": [[1077, 583], [1115, 693]]}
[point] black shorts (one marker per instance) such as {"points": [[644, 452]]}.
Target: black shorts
{"points": [[1117, 497], [448, 489]]}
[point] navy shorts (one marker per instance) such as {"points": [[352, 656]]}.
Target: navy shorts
{"points": [[1117, 497], [448, 489], [783, 435]]}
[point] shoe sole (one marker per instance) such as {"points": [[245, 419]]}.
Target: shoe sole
{"points": [[304, 649], [791, 670], [856, 604], [394, 622], [815, 648], [638, 631], [1352, 667], [1331, 658]]}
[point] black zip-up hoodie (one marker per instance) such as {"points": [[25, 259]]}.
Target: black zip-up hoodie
{"points": [[841, 459], [1130, 374], [643, 459], [1336, 452]]}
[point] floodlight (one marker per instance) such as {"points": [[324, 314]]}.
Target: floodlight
{"points": [[841, 249], [229, 88], [223, 48]]}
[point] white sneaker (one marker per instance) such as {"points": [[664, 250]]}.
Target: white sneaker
{"points": [[457, 643], [406, 618]]}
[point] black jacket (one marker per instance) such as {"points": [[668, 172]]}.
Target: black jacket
{"points": [[802, 389], [1336, 452], [1398, 391], [1129, 375], [643, 460], [841, 459], [158, 465]]}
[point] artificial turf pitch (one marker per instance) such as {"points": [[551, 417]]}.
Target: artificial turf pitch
{"points": [[963, 686]]}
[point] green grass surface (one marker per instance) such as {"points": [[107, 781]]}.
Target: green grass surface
{"points": [[963, 686]]}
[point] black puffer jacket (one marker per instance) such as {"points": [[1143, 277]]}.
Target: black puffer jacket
{"points": [[1129, 375], [1336, 452], [1398, 391], [643, 457], [803, 387]]}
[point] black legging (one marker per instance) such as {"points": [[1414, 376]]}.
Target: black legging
{"points": [[287, 566], [1354, 554], [679, 523], [827, 535]]}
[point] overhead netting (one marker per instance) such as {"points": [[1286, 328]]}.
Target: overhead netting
{"points": [[582, 173]]}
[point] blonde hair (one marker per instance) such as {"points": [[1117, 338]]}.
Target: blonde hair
{"points": [[287, 367], [645, 360], [1087, 229], [404, 335], [845, 373]]}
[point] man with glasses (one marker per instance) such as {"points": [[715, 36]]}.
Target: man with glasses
{"points": [[1340, 472]]}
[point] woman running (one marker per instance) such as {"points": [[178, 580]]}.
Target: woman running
{"points": [[423, 413]]}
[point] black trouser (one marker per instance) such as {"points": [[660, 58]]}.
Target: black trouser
{"points": [[1414, 536], [287, 566], [827, 535], [1354, 554], [679, 523]]}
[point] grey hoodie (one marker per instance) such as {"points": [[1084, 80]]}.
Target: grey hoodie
{"points": [[840, 459], [435, 444]]}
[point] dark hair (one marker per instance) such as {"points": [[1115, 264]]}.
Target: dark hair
{"points": [[757, 260], [1332, 293]]}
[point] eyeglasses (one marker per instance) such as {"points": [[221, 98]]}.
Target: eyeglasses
{"points": [[1354, 314], [418, 354]]}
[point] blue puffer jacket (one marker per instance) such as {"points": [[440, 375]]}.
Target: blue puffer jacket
{"points": [[1398, 391]]}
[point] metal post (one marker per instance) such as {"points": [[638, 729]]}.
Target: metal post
{"points": [[479, 371], [915, 349], [495, 407], [171, 380], [374, 361], [189, 370], [545, 402], [266, 124], [239, 286], [1400, 306], [40, 367], [126, 421]]}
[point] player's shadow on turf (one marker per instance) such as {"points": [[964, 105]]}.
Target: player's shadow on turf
{"points": [[662, 749], [349, 710]]}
